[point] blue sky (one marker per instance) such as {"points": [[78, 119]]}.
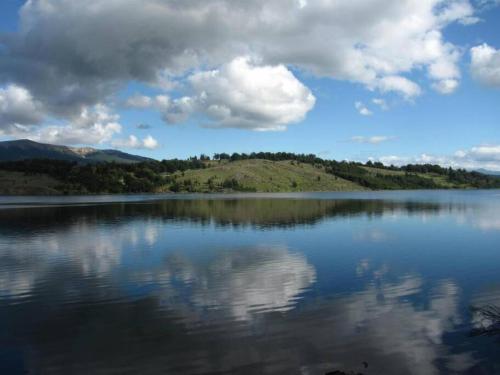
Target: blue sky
{"points": [[312, 78]]}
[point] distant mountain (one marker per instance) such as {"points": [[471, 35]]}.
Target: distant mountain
{"points": [[25, 149]]}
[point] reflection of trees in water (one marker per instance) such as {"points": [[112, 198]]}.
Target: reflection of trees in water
{"points": [[223, 212]]}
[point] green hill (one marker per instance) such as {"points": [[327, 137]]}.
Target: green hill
{"points": [[19, 183], [262, 176]]}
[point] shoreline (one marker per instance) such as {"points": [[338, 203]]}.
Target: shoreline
{"points": [[23, 201]]}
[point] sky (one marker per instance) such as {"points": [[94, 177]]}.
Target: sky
{"points": [[408, 81]]}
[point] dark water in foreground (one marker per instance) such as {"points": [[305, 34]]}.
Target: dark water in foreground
{"points": [[283, 284]]}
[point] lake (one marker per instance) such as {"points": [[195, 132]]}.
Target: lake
{"points": [[373, 283]]}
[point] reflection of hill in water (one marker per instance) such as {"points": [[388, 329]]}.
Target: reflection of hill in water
{"points": [[225, 212]]}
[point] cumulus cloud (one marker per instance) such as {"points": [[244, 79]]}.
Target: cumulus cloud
{"points": [[139, 101], [489, 154], [150, 143], [177, 110], [172, 111], [362, 109], [93, 125], [459, 10], [71, 55], [483, 156], [243, 95], [18, 109], [485, 65], [406, 87], [132, 141], [376, 139], [239, 94], [446, 86]]}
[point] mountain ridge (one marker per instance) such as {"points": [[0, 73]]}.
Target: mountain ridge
{"points": [[23, 149]]}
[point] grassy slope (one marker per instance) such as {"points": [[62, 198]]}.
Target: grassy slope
{"points": [[17, 183], [383, 171], [269, 176], [261, 175], [440, 180]]}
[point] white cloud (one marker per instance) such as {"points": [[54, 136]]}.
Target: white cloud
{"points": [[22, 116], [362, 109], [392, 160], [70, 54], [132, 141], [484, 153], [139, 101], [483, 156], [239, 94], [372, 140], [485, 65], [93, 125], [445, 69], [173, 110], [402, 85], [460, 10], [243, 95], [150, 143], [381, 103], [446, 86], [18, 109], [178, 110]]}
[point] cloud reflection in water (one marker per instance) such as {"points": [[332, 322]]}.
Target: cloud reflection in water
{"points": [[213, 287]]}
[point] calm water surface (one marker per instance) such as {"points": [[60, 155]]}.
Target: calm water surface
{"points": [[254, 284]]}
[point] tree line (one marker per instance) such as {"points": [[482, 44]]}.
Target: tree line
{"points": [[152, 176], [108, 177]]}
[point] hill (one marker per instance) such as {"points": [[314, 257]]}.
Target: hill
{"points": [[19, 183], [263, 176], [256, 172], [24, 149]]}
